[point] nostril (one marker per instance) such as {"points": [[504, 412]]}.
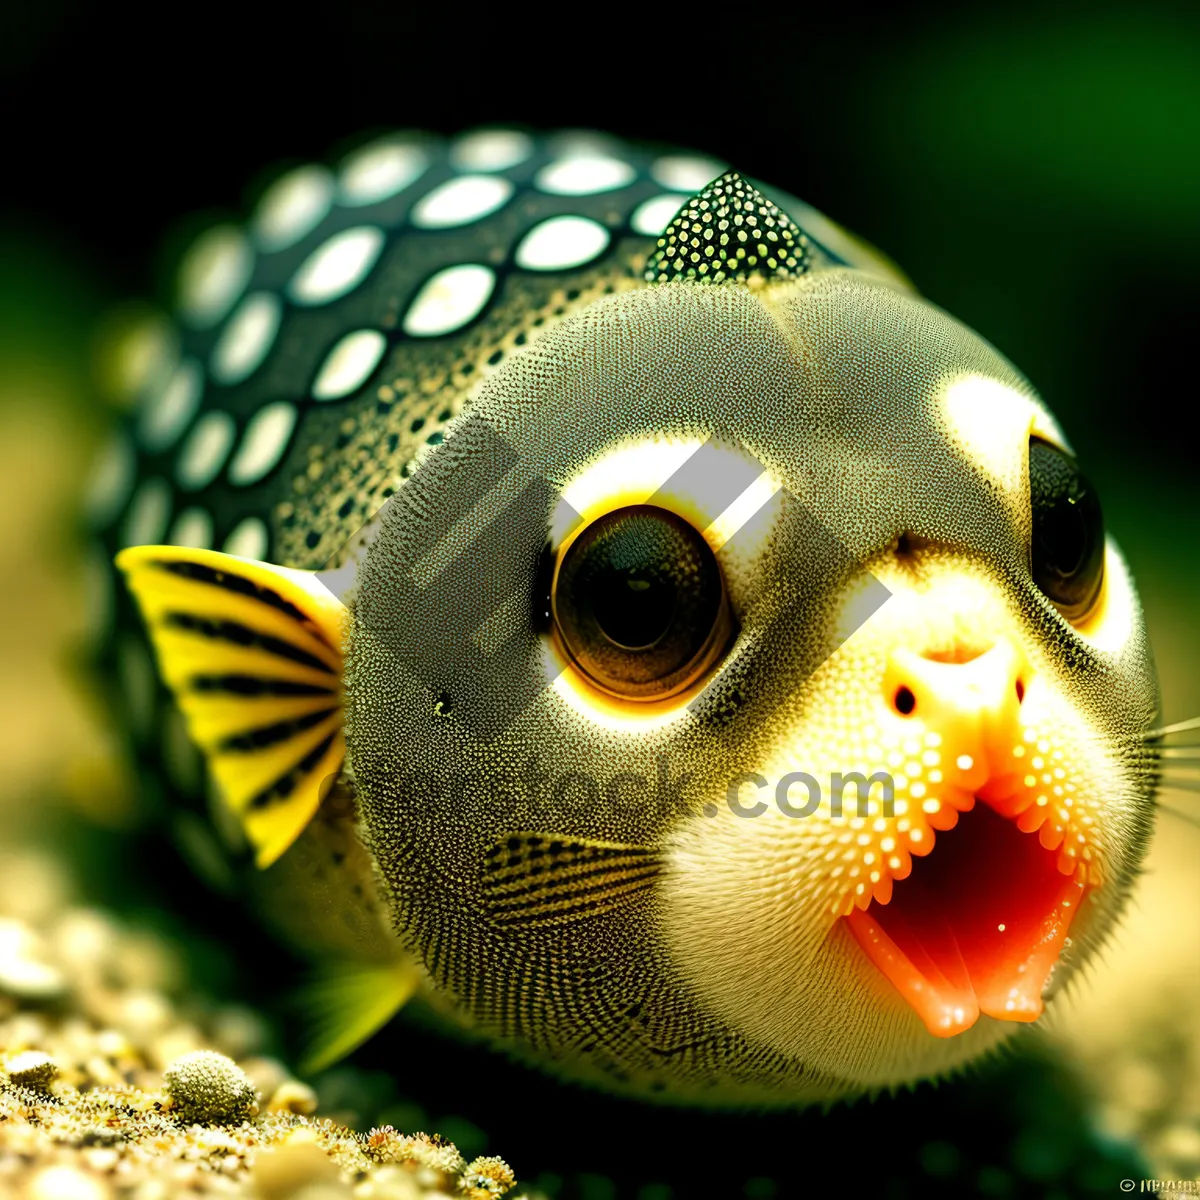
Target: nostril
{"points": [[904, 701], [1020, 690]]}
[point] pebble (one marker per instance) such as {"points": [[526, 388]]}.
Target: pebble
{"points": [[24, 970], [390, 1183], [282, 1172], [207, 1088], [83, 939], [66, 1183], [293, 1096], [267, 1074], [240, 1030], [142, 1015], [33, 886], [32, 1069]]}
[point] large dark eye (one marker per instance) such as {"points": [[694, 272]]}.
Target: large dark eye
{"points": [[639, 603], [1068, 531]]}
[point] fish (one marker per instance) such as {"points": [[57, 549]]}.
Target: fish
{"points": [[615, 610]]}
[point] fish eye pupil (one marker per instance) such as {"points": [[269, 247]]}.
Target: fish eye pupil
{"points": [[1064, 539], [1068, 531], [633, 612]]}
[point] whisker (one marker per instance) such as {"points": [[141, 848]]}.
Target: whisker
{"points": [[1180, 752], [1177, 727], [1154, 735], [1185, 787]]}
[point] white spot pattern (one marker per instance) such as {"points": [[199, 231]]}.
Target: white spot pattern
{"points": [[110, 481], [337, 266], [263, 442], [146, 521], [380, 170], [248, 539], [491, 150], [460, 201], [449, 300], [193, 527], [293, 206], [205, 450], [166, 415], [561, 242], [584, 174], [652, 216], [688, 173], [247, 338], [349, 363], [213, 274]]}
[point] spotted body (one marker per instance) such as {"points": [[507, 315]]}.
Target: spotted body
{"points": [[545, 346]]}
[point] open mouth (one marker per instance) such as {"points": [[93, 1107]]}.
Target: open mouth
{"points": [[977, 927]]}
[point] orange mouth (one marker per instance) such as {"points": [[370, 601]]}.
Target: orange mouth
{"points": [[977, 927]]}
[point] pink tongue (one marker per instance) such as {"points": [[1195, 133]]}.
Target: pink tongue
{"points": [[976, 928]]}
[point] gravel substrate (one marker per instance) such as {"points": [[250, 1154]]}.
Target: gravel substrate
{"points": [[117, 1081]]}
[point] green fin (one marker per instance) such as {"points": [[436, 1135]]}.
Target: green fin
{"points": [[253, 654], [541, 879], [729, 231], [347, 1003]]}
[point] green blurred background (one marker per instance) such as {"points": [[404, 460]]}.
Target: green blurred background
{"points": [[1036, 172]]}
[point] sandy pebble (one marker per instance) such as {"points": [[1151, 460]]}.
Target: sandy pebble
{"points": [[32, 1069], [267, 1075], [101, 1159], [33, 886], [83, 939], [295, 1097], [26, 1029], [24, 969], [177, 1041], [143, 1014], [390, 1183], [208, 1088], [240, 1030], [141, 960], [101, 1072], [282, 1172], [66, 1183], [114, 1044]]}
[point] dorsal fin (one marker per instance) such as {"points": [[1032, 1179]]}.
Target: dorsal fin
{"points": [[252, 653], [540, 879], [729, 232]]}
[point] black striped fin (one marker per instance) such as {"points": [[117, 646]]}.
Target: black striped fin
{"points": [[538, 879], [253, 655]]}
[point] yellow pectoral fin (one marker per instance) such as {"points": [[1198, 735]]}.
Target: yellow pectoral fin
{"points": [[348, 1003], [252, 653]]}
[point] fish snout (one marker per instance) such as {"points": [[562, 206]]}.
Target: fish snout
{"points": [[969, 696]]}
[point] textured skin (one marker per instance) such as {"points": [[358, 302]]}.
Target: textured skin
{"points": [[721, 974]]}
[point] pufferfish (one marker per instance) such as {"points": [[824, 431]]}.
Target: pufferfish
{"points": [[642, 628]]}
